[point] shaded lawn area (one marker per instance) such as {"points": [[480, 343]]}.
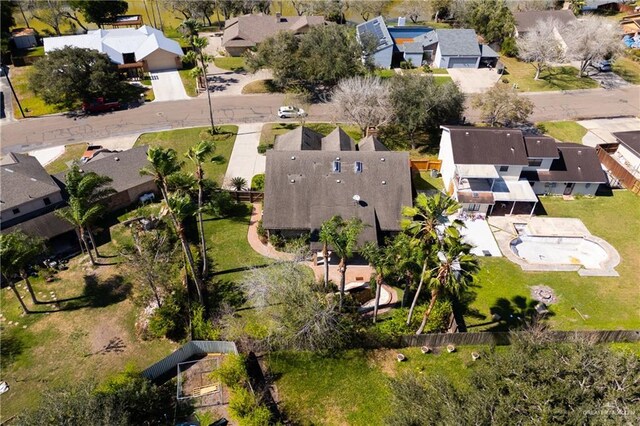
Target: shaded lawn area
{"points": [[182, 139], [606, 302], [32, 105], [424, 181], [260, 86], [564, 131], [556, 78], [71, 152], [230, 63], [188, 82], [271, 130], [628, 69], [384, 73]]}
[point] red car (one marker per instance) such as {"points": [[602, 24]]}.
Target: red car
{"points": [[100, 105]]}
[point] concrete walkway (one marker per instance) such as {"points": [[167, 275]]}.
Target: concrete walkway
{"points": [[167, 86], [245, 161]]}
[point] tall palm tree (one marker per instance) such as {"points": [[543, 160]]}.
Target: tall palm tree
{"points": [[343, 240], [162, 164], [454, 272], [422, 223], [383, 261], [327, 230], [17, 252], [407, 262], [198, 55], [198, 154]]}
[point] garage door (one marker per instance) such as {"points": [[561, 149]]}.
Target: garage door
{"points": [[462, 62]]}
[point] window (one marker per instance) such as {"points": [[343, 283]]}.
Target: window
{"points": [[15, 211], [358, 167], [504, 168], [337, 167], [47, 201], [473, 207], [129, 58], [535, 162]]}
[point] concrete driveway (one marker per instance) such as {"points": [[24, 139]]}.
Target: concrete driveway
{"points": [[474, 80], [167, 86], [608, 80], [600, 130], [245, 161]]}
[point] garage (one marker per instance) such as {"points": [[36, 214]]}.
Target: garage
{"points": [[162, 60], [463, 62]]}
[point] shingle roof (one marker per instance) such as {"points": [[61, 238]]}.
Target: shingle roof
{"points": [[304, 139], [338, 140], [541, 147], [317, 193], [480, 145], [378, 29], [46, 226], [488, 52], [123, 167], [248, 30], [427, 39], [630, 139], [526, 21], [411, 47], [458, 42], [24, 180], [576, 163], [371, 143]]}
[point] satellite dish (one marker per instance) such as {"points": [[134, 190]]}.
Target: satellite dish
{"points": [[356, 198]]}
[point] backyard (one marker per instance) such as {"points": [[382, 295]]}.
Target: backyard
{"points": [[556, 78]]}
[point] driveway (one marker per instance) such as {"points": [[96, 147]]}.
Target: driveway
{"points": [[607, 80], [474, 80], [167, 86], [600, 131], [245, 161]]}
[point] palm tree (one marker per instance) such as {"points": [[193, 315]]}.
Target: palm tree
{"points": [[86, 195], [407, 262], [238, 183], [343, 240], [383, 260], [163, 163], [189, 28], [454, 273], [198, 154], [198, 55], [327, 230], [17, 251], [422, 222]]}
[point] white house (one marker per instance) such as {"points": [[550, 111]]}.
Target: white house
{"points": [[489, 169], [144, 47]]}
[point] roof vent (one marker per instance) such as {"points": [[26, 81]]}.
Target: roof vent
{"points": [[508, 134], [337, 158], [116, 158], [579, 168], [513, 149], [538, 141], [9, 170], [293, 157], [384, 182], [338, 181], [466, 133], [579, 152], [34, 180], [382, 159], [292, 181]]}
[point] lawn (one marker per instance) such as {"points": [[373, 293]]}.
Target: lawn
{"points": [[424, 181], [32, 105], [271, 130], [260, 86], [189, 82], [564, 131], [182, 139], [384, 73], [628, 69], [557, 78], [71, 152], [230, 63], [606, 302]]}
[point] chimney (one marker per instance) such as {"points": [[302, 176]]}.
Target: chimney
{"points": [[372, 131], [278, 17]]}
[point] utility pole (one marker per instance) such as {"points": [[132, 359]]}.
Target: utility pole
{"points": [[5, 71]]}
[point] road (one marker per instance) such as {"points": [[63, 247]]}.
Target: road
{"points": [[44, 132]]}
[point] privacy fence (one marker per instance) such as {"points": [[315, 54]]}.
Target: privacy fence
{"points": [[189, 350], [504, 338]]}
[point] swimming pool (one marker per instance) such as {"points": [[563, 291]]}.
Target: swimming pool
{"points": [[559, 251]]}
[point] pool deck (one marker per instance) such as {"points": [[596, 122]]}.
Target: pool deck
{"points": [[504, 232]]}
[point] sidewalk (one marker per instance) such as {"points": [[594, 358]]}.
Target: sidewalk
{"points": [[245, 161]]}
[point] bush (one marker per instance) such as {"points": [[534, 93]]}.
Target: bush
{"points": [[232, 371], [202, 328], [276, 241], [505, 80], [406, 65], [257, 182], [509, 47], [245, 408], [264, 147], [395, 325], [171, 319], [262, 233], [426, 68]]}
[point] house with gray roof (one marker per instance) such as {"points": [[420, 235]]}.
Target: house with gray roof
{"points": [[491, 170], [306, 187], [375, 32], [26, 190], [247, 31]]}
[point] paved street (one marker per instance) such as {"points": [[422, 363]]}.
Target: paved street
{"points": [[44, 132]]}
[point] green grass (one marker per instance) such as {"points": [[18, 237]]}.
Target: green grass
{"points": [[189, 82], [437, 71], [564, 131], [271, 130], [32, 105], [384, 73], [260, 86], [424, 181], [628, 69], [608, 302], [557, 78], [182, 139], [230, 63], [71, 152]]}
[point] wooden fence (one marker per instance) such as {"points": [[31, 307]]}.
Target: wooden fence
{"points": [[251, 196], [504, 338], [624, 176], [425, 165]]}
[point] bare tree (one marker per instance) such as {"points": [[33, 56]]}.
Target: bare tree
{"points": [[502, 105], [368, 8], [591, 39], [365, 101], [541, 45], [529, 5], [414, 9]]}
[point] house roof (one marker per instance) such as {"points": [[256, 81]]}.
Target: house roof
{"points": [[526, 21], [123, 167], [23, 32], [304, 139], [46, 226], [576, 163], [302, 191], [486, 145], [378, 29], [427, 39], [141, 41], [541, 147], [411, 47], [458, 42], [488, 52], [371, 143], [630, 139], [249, 30], [24, 179]]}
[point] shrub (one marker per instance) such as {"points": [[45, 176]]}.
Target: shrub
{"points": [[276, 241], [262, 233], [426, 68], [257, 182], [541, 128], [509, 47], [395, 325], [406, 65], [505, 80], [264, 147], [232, 371], [245, 408], [202, 328], [170, 320]]}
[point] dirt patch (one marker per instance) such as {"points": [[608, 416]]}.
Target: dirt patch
{"points": [[108, 337], [543, 294], [384, 359]]}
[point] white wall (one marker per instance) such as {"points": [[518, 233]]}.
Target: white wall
{"points": [[512, 174], [30, 206], [437, 60], [484, 208], [542, 188], [448, 168], [546, 164], [629, 156], [161, 60]]}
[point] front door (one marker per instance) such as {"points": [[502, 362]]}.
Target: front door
{"points": [[569, 188]]}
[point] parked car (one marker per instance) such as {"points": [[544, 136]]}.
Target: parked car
{"points": [[291, 112], [602, 66], [100, 105]]}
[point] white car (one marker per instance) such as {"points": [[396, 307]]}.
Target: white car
{"points": [[291, 112]]}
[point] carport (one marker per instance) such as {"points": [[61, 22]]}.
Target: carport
{"points": [[508, 193]]}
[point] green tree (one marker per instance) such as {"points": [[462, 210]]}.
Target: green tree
{"points": [[421, 222], [6, 22], [238, 183], [279, 54], [99, 11], [69, 75], [17, 253], [198, 54], [407, 263], [491, 18], [383, 261], [502, 105], [342, 237]]}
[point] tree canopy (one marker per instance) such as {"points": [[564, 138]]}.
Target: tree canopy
{"points": [[99, 11], [502, 105], [490, 18], [70, 75]]}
